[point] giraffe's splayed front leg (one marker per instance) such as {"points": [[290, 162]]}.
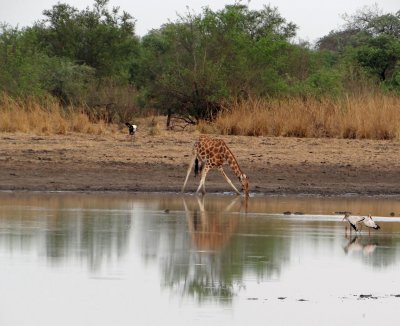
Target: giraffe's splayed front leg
{"points": [[228, 180], [245, 184], [201, 189]]}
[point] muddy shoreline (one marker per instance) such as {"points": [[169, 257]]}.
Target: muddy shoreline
{"points": [[148, 163]]}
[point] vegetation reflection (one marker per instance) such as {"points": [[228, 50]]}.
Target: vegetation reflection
{"points": [[59, 232]]}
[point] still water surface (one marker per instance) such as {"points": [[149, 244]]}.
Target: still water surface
{"points": [[158, 259]]}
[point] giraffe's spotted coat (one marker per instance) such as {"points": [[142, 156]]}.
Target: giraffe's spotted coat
{"points": [[212, 153]]}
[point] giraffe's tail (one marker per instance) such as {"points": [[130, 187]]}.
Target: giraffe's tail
{"points": [[196, 167]]}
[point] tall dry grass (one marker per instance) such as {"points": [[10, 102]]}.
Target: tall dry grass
{"points": [[373, 116], [47, 117]]}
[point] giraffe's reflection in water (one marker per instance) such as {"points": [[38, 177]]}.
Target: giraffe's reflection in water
{"points": [[210, 231]]}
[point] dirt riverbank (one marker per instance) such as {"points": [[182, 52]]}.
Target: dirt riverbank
{"points": [[113, 162]]}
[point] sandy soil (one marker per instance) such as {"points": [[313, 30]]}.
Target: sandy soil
{"points": [[77, 162]]}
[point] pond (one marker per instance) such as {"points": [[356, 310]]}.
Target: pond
{"points": [[152, 259]]}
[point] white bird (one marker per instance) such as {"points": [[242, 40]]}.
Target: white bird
{"points": [[353, 220], [370, 224]]}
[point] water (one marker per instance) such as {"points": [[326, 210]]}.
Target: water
{"points": [[136, 259]]}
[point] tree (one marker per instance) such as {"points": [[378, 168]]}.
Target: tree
{"points": [[370, 40], [194, 65], [373, 21], [19, 73], [97, 37], [337, 41], [27, 71], [379, 56]]}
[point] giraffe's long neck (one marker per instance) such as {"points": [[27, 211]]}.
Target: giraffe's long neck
{"points": [[230, 158]]}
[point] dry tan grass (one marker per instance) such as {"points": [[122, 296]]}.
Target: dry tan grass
{"points": [[46, 118], [372, 116], [368, 116]]}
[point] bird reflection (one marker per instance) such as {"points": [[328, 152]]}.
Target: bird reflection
{"points": [[211, 231], [357, 245], [369, 249], [353, 246]]}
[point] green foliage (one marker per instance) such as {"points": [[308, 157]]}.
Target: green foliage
{"points": [[192, 66], [68, 52], [97, 37], [379, 56], [21, 74], [370, 40], [325, 81], [28, 72], [67, 81]]}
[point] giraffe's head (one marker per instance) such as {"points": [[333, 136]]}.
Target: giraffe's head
{"points": [[245, 184]]}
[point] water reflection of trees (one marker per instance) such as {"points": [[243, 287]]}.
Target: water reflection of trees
{"points": [[64, 234], [98, 238]]}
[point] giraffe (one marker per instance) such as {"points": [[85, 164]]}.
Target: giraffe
{"points": [[213, 152]]}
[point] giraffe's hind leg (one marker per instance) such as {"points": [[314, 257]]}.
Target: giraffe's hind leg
{"points": [[220, 169], [204, 172], [188, 171]]}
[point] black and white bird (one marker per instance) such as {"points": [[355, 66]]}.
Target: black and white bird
{"points": [[132, 128], [353, 220], [370, 224]]}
